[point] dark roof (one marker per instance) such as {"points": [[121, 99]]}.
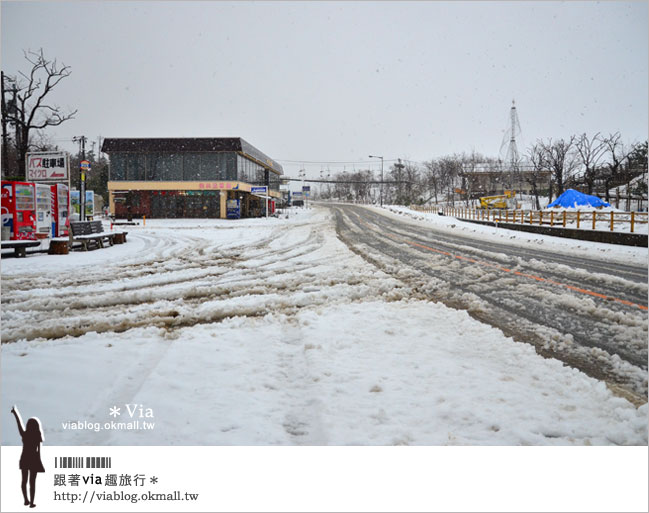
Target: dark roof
{"points": [[177, 144]]}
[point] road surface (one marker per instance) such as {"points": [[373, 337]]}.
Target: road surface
{"points": [[590, 314]]}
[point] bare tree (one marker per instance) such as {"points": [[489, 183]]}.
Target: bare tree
{"points": [[412, 183], [496, 181], [450, 169], [561, 161], [590, 151], [361, 185], [535, 155], [394, 193], [431, 179], [469, 166], [617, 153], [31, 110]]}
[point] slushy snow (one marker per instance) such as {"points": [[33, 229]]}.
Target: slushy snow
{"points": [[272, 332]]}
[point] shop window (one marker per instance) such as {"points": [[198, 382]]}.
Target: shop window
{"points": [[117, 167], [231, 166], [154, 166], [135, 166], [171, 165], [241, 172], [191, 166], [209, 166]]}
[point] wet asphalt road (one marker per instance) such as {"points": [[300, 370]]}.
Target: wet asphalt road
{"points": [[589, 313]]}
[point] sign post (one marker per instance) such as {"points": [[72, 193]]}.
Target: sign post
{"points": [[47, 166], [306, 192], [84, 167]]}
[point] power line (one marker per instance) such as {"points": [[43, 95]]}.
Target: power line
{"points": [[331, 161], [370, 182]]}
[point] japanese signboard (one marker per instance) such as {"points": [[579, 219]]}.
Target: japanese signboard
{"points": [[50, 166], [259, 190]]}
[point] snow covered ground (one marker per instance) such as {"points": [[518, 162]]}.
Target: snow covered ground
{"points": [[526, 203], [610, 252], [272, 332]]}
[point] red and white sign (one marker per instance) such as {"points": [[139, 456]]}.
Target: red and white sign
{"points": [[47, 166]]}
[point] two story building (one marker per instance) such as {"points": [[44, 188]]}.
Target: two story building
{"points": [[187, 177]]}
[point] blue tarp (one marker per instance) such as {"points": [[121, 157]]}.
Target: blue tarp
{"points": [[574, 199]]}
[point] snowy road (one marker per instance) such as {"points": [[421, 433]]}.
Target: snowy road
{"points": [[589, 313], [272, 332]]}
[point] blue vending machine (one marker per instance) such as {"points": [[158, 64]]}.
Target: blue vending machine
{"points": [[233, 207]]}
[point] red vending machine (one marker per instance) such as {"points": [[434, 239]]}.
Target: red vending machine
{"points": [[60, 210], [18, 211]]}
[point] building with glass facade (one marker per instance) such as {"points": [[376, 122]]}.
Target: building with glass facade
{"points": [[162, 178]]}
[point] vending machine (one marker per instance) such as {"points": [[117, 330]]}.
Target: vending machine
{"points": [[43, 211], [233, 209], [18, 211], [60, 210]]}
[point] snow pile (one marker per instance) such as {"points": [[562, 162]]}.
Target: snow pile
{"points": [[559, 245]]}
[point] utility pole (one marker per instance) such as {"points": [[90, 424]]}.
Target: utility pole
{"points": [[328, 183], [82, 177], [4, 128], [302, 174], [321, 178], [399, 166], [81, 139], [381, 187]]}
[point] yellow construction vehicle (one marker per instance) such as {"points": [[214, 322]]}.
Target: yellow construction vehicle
{"points": [[500, 201]]}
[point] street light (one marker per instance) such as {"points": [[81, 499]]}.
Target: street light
{"points": [[381, 189]]}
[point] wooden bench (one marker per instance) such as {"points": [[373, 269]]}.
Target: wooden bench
{"points": [[90, 234], [20, 246]]}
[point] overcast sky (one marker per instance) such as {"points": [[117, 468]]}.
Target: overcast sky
{"points": [[318, 82]]}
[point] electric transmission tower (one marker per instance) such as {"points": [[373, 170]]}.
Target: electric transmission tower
{"points": [[511, 155]]}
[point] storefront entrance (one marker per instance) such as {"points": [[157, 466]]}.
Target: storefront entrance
{"points": [[184, 205]]}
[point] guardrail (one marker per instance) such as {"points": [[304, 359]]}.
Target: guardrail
{"points": [[579, 219]]}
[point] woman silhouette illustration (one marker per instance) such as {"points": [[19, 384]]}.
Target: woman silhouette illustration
{"points": [[30, 459]]}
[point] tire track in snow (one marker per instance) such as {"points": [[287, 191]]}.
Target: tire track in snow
{"points": [[555, 321], [202, 287]]}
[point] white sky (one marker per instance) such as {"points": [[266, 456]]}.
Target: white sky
{"points": [[338, 81]]}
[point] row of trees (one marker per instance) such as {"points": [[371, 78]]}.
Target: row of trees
{"points": [[593, 164]]}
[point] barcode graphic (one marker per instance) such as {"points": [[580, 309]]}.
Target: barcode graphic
{"points": [[81, 462]]}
